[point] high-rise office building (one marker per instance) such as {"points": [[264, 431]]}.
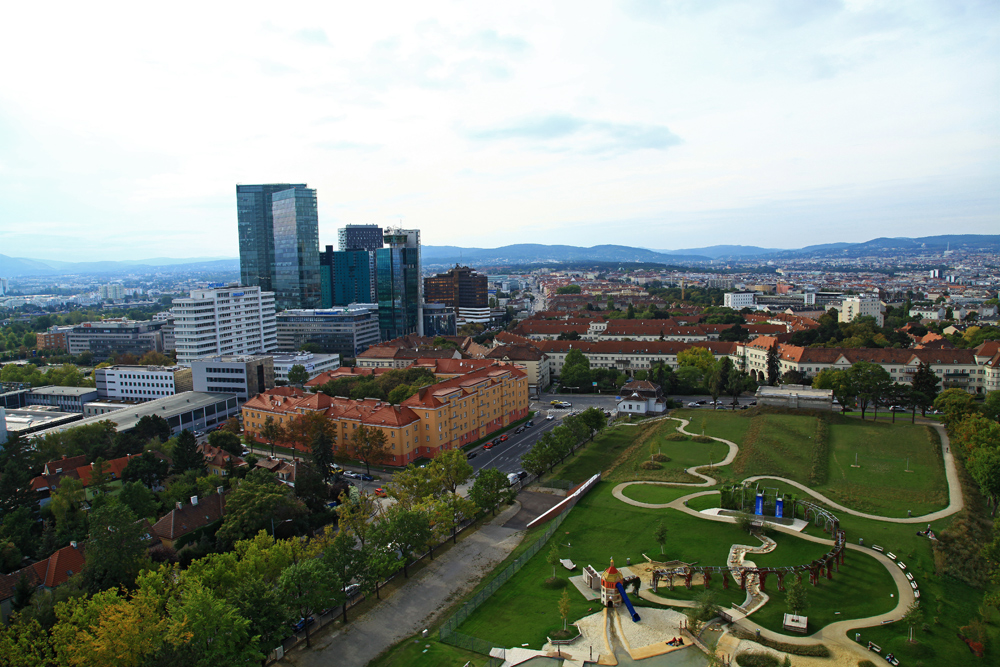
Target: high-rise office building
{"points": [[360, 237], [464, 290], [347, 331], [224, 320], [398, 285], [296, 248], [256, 232], [346, 277]]}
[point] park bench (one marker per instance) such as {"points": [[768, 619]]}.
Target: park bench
{"points": [[877, 548], [901, 565], [567, 563], [874, 647], [891, 555], [909, 576]]}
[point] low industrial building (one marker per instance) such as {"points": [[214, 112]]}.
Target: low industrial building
{"points": [[141, 383], [313, 363], [64, 399], [795, 397], [243, 375]]}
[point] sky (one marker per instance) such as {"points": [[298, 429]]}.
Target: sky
{"points": [[125, 127]]}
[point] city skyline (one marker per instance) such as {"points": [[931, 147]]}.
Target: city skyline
{"points": [[683, 125]]}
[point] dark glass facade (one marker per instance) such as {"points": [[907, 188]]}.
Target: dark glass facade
{"points": [[296, 249], [460, 287], [360, 237], [398, 290], [345, 277], [256, 232]]}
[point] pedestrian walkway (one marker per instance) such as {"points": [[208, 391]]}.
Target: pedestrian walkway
{"points": [[416, 605]]}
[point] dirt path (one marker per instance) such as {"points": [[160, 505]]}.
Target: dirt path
{"points": [[416, 605]]}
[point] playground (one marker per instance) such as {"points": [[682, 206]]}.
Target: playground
{"points": [[730, 551]]}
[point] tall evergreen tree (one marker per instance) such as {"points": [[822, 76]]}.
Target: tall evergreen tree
{"points": [[186, 456], [925, 387], [322, 454], [773, 366]]}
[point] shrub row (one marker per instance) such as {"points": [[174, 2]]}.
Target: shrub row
{"points": [[821, 454], [675, 437], [757, 660], [702, 439]]}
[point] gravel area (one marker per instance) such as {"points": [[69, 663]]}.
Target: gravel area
{"points": [[656, 626]]}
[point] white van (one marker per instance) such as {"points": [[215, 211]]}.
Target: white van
{"points": [[512, 479]]}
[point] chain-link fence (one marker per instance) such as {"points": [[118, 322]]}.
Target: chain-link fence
{"points": [[451, 625]]}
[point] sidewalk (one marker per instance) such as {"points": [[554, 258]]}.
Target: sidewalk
{"points": [[416, 605]]}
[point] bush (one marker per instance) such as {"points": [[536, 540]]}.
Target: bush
{"points": [[866, 663], [757, 660], [811, 650], [650, 465], [569, 633], [675, 437], [702, 439], [662, 458]]}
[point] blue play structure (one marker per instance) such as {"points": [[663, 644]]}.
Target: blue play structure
{"points": [[628, 603]]}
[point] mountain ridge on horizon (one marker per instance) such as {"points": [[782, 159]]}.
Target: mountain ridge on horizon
{"points": [[522, 253]]}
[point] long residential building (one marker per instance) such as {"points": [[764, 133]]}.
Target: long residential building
{"points": [[224, 320], [439, 417]]}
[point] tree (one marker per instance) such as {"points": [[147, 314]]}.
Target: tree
{"points": [[796, 597], [322, 455], [411, 485], [660, 535], [186, 455], [378, 559], [259, 499], [576, 370], [409, 530], [15, 485], [116, 551], [151, 426], [925, 387], [301, 430], [984, 467], [538, 458], [552, 558], [489, 489], [773, 365], [342, 556], [24, 643], [448, 511], [310, 487], [914, 614], [564, 603], [955, 405], [871, 381], [355, 513], [718, 380], [452, 469], [738, 383], [100, 476], [227, 441], [271, 431], [697, 357], [568, 289], [370, 446], [298, 375], [147, 468], [139, 499], [842, 384], [206, 630], [309, 586]]}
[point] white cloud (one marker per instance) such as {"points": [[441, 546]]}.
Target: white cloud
{"points": [[126, 128]]}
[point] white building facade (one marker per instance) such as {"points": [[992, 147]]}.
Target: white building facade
{"points": [[739, 300], [141, 383], [230, 320], [313, 363], [853, 307]]}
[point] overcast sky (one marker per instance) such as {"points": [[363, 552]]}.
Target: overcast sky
{"points": [[124, 129]]}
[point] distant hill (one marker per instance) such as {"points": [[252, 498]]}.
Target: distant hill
{"points": [[725, 251], [12, 267], [536, 253]]}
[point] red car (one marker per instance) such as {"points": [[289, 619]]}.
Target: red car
{"points": [[503, 438], [380, 493], [488, 445]]}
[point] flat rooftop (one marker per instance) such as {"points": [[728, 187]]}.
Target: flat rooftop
{"points": [[166, 407], [52, 390], [26, 420]]}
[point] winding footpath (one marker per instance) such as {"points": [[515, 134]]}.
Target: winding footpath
{"points": [[834, 632]]}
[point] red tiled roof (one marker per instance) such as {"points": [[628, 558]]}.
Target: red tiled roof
{"points": [[180, 522], [51, 572]]}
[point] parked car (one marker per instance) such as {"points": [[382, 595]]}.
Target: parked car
{"points": [[504, 438], [529, 424], [350, 474], [702, 402], [352, 589], [522, 474], [489, 445], [519, 429], [380, 493], [549, 418], [564, 404], [364, 477], [692, 404], [300, 625], [471, 455], [512, 479], [555, 402]]}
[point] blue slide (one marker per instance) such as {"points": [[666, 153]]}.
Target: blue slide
{"points": [[628, 603]]}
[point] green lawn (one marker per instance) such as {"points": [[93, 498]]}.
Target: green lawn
{"points": [[655, 493], [703, 502], [861, 588], [881, 484], [778, 444], [683, 454], [418, 652], [597, 456], [717, 423]]}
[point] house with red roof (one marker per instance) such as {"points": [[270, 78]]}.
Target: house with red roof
{"points": [[45, 574]]}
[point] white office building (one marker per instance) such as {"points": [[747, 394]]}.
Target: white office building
{"points": [[141, 383], [224, 320], [853, 307], [739, 300], [313, 363]]}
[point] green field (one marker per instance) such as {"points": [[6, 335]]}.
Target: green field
{"points": [[725, 424], [881, 484], [861, 588], [418, 652], [654, 493], [683, 454], [597, 456]]}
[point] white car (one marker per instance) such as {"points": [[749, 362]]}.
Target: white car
{"points": [[692, 404], [351, 475], [549, 418]]}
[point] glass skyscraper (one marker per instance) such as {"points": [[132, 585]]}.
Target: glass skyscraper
{"points": [[296, 248], [398, 284], [256, 232], [345, 277]]}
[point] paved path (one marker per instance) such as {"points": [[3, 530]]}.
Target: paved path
{"points": [[955, 501], [416, 605]]}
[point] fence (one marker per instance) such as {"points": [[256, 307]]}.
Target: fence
{"points": [[449, 630]]}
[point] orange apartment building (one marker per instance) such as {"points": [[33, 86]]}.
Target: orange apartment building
{"points": [[439, 417]]}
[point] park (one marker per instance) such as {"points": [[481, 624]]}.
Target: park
{"points": [[761, 537]]}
